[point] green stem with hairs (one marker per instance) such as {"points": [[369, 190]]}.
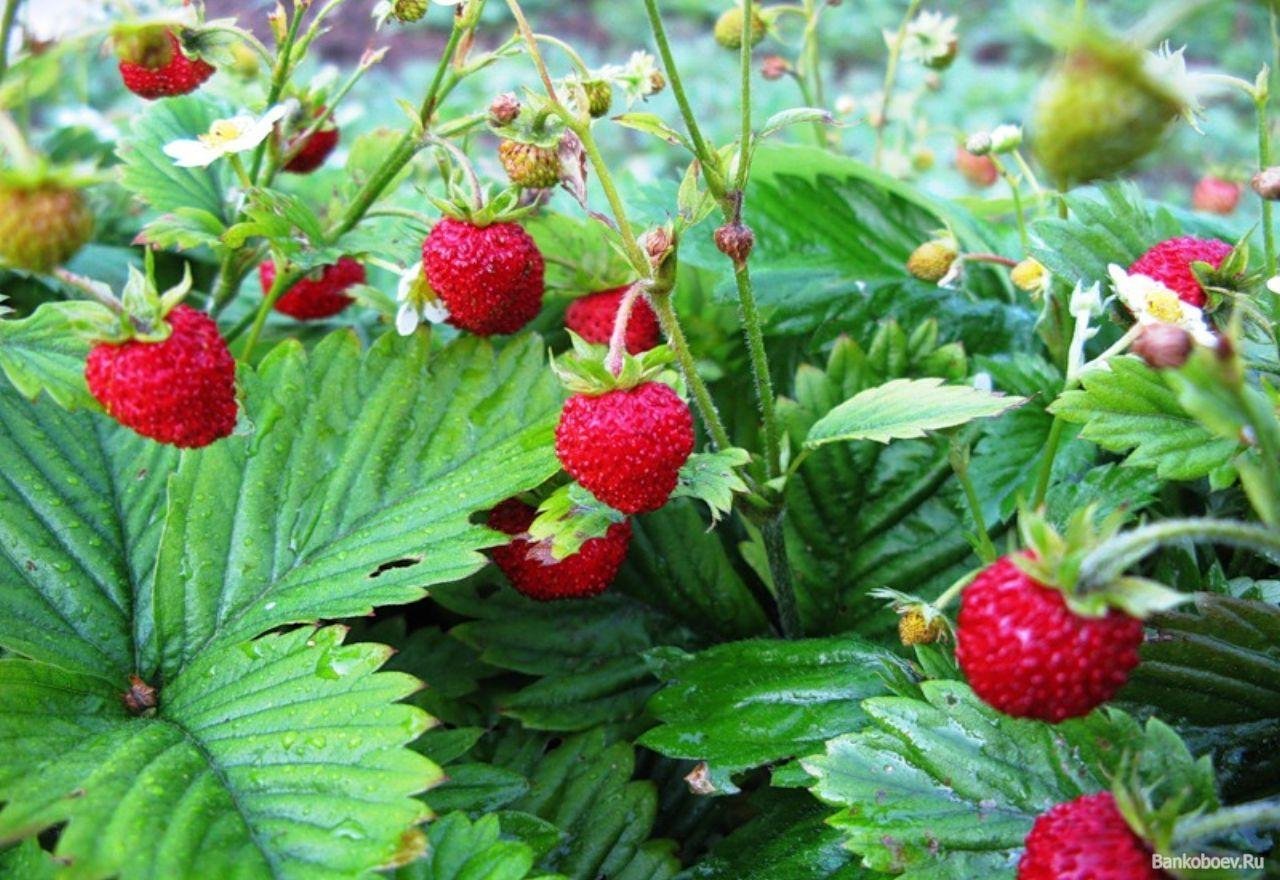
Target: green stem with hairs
{"points": [[1261, 105], [891, 78], [279, 76], [700, 149], [284, 280], [744, 87], [1046, 465], [1110, 558], [1208, 826], [688, 367], [784, 592]]}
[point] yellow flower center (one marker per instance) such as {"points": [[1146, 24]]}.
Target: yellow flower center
{"points": [[221, 132], [1164, 306]]}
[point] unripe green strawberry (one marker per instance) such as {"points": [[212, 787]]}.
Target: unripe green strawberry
{"points": [[728, 30], [1099, 112], [409, 10], [42, 224], [599, 97], [529, 165]]}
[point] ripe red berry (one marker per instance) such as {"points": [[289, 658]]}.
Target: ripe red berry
{"points": [[1086, 839], [1028, 654], [314, 150], [181, 391], [592, 317], [489, 277], [315, 297], [626, 446], [1170, 261], [980, 171], [1213, 195], [586, 573], [163, 70]]}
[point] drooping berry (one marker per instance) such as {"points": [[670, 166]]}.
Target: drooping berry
{"points": [[489, 277], [728, 29], [310, 154], [181, 391], [154, 65], [592, 318], [932, 261], [42, 224], [980, 171], [1086, 839], [321, 296], [534, 573], [1026, 653], [626, 446], [530, 165]]}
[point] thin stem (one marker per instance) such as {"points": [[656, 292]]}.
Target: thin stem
{"points": [[6, 27], [960, 464], [531, 39], [1046, 466], [760, 371], [775, 546], [568, 50], [238, 167], [278, 78], [954, 590], [688, 368], [811, 67], [891, 76], [997, 259], [1019, 214], [240, 326], [1110, 558], [639, 260], [1207, 826], [254, 43], [744, 55], [677, 87], [1261, 104], [284, 280], [618, 338]]}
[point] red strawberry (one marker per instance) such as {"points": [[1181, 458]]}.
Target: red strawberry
{"points": [[586, 573], [980, 171], [1027, 654], [180, 391], [592, 317], [489, 277], [313, 151], [155, 68], [313, 298], [1213, 195], [1170, 261], [626, 446], [1086, 839]]}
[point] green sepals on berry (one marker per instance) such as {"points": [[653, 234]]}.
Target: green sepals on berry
{"points": [[1229, 279], [585, 371], [1056, 561], [569, 517], [713, 479], [504, 207]]}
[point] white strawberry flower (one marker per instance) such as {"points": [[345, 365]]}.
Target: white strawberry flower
{"points": [[225, 137], [418, 302], [929, 37], [1151, 302]]}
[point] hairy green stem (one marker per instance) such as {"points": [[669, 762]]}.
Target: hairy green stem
{"points": [[775, 547], [1046, 465], [744, 87], [285, 279], [688, 367], [1110, 558], [705, 155], [1207, 826], [760, 371], [986, 549], [279, 77], [1261, 106], [891, 78]]}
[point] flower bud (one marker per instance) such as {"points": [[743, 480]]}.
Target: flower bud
{"points": [[1005, 138], [1266, 183], [735, 241], [775, 67], [979, 144], [1029, 275], [932, 260], [1163, 346], [504, 109]]}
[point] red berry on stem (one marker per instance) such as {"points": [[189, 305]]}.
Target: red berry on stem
{"points": [[626, 446], [1026, 653], [489, 277], [1170, 261], [164, 70], [181, 391], [1086, 839], [1213, 195], [586, 573], [313, 151], [592, 318], [980, 171], [314, 298]]}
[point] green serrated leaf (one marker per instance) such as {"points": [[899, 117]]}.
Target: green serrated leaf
{"points": [[713, 478], [794, 116], [151, 174], [569, 517], [746, 704], [461, 850], [209, 783], [1129, 408], [903, 409], [651, 123], [46, 352]]}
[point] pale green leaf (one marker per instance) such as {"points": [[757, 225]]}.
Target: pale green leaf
{"points": [[713, 478], [794, 116], [651, 123], [46, 351]]}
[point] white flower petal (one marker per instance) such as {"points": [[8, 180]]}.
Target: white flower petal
{"points": [[191, 154], [435, 311], [406, 320]]}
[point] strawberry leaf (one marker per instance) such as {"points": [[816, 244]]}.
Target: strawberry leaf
{"points": [[902, 409], [46, 352], [461, 850], [569, 517], [1129, 408], [151, 174], [712, 477], [746, 704]]}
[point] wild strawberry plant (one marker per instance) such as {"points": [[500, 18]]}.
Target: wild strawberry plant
{"points": [[441, 500]]}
